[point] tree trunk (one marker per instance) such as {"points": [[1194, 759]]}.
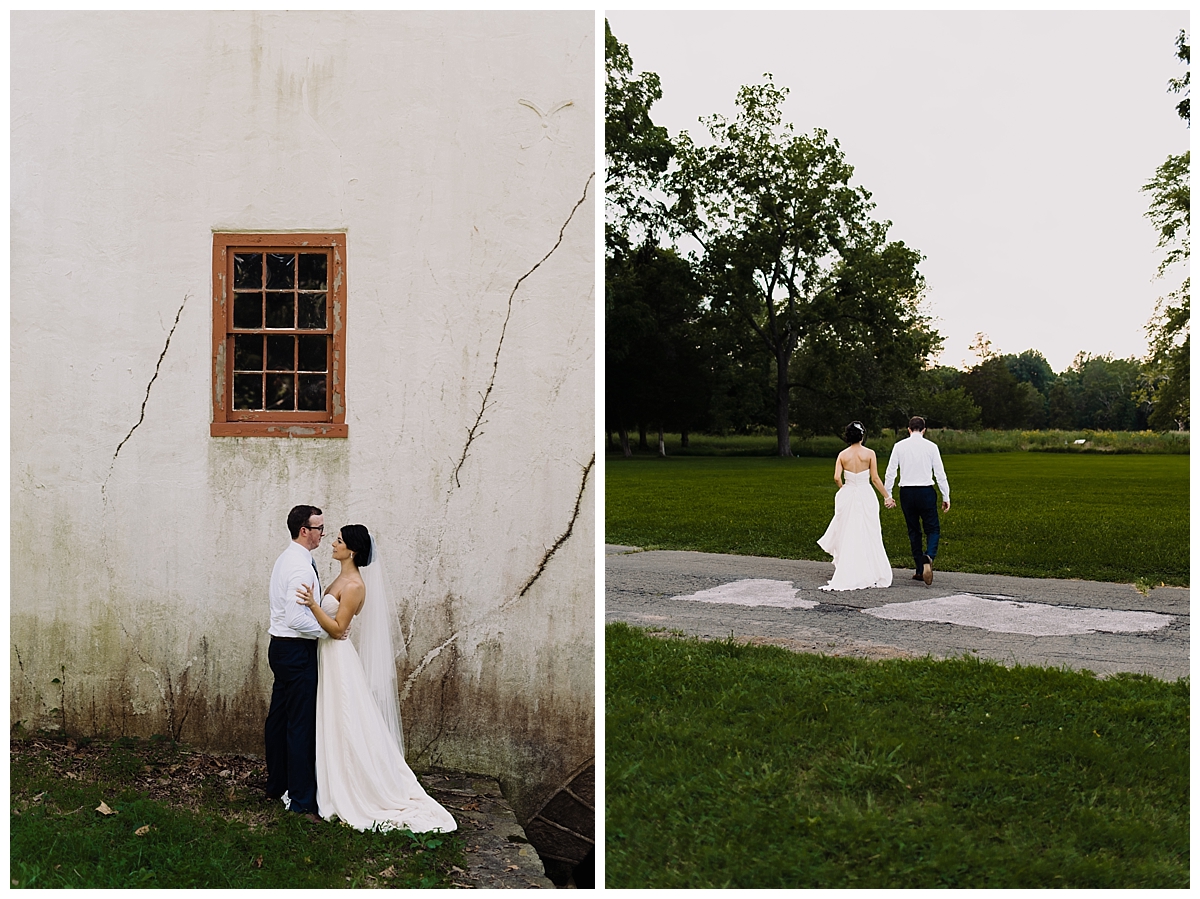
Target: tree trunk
{"points": [[662, 445], [624, 434], [782, 396], [683, 438], [612, 447], [642, 444]]}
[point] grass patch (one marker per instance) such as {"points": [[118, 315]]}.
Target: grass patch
{"points": [[1114, 518], [754, 767], [186, 820], [950, 442]]}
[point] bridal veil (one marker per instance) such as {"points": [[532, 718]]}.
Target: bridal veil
{"points": [[379, 642]]}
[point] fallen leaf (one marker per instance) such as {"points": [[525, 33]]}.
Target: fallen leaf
{"points": [[142, 831], [389, 871], [103, 809], [72, 775], [513, 868], [225, 773], [258, 862]]}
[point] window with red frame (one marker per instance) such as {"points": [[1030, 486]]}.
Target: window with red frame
{"points": [[279, 315]]}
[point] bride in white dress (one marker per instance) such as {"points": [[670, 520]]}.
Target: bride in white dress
{"points": [[854, 537], [362, 777]]}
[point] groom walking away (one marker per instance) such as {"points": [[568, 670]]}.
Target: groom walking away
{"points": [[919, 462], [291, 728]]}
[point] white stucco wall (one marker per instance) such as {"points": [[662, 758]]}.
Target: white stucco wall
{"points": [[139, 577]]}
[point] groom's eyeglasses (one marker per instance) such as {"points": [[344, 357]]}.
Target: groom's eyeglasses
{"points": [[320, 528]]}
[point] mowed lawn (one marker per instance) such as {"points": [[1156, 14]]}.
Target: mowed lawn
{"points": [[1121, 518], [745, 766]]}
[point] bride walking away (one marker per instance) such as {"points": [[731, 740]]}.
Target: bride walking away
{"points": [[854, 537]]}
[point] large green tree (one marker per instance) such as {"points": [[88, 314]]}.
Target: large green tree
{"points": [[1166, 379], [787, 245], [656, 368], [649, 301], [636, 151]]}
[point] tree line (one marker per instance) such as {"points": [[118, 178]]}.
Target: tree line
{"points": [[748, 286]]}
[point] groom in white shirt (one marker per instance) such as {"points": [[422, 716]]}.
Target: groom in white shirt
{"points": [[291, 727], [919, 462]]}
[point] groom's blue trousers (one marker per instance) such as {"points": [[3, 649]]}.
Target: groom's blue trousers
{"points": [[291, 729], [920, 508]]}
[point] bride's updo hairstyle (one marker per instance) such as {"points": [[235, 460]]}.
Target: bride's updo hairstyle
{"points": [[855, 432], [358, 540]]}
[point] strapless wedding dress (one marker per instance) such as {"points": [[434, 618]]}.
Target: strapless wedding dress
{"points": [[854, 537], [362, 777]]}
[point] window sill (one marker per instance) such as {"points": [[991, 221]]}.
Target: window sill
{"points": [[276, 429]]}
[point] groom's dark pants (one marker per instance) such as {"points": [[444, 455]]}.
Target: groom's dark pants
{"points": [[291, 729], [919, 505]]}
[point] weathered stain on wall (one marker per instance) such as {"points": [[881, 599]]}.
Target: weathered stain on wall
{"points": [[144, 545]]}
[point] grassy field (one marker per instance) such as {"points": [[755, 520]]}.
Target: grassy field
{"points": [[950, 442], [753, 767], [178, 819], [1121, 518]]}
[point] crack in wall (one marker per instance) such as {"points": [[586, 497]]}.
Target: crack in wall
{"points": [[554, 548], [142, 416], [25, 675], [174, 727], [441, 725], [473, 431], [562, 537]]}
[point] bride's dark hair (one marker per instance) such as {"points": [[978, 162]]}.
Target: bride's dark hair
{"points": [[358, 540], [855, 432]]}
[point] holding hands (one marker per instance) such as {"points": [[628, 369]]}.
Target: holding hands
{"points": [[889, 503]]}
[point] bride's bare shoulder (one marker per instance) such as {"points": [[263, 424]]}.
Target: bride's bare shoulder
{"points": [[354, 591]]}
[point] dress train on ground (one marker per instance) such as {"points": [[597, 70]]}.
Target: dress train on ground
{"points": [[362, 777]]}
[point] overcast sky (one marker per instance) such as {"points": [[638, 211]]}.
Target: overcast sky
{"points": [[1009, 148]]}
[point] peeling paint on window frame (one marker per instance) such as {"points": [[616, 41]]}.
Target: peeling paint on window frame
{"points": [[226, 422]]}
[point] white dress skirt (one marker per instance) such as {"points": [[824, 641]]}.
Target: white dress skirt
{"points": [[362, 777], [854, 537]]}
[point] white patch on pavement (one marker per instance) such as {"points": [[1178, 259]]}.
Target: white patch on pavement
{"points": [[1012, 617], [754, 592]]}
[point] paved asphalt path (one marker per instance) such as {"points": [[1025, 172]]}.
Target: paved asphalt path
{"points": [[640, 588]]}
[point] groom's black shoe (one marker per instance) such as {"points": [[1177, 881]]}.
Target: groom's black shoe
{"points": [[918, 576], [927, 571]]}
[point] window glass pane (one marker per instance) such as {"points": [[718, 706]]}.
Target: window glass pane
{"points": [[247, 392], [312, 393], [280, 310], [313, 355], [247, 310], [248, 352], [311, 310], [247, 270], [281, 353], [281, 271], [312, 271], [281, 392]]}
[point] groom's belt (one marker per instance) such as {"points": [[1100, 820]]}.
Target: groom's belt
{"points": [[294, 639]]}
